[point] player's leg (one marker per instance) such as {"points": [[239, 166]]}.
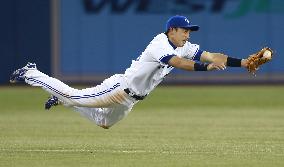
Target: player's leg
{"points": [[105, 95], [103, 117], [106, 117], [52, 101]]}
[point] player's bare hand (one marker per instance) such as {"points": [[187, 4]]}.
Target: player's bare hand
{"points": [[216, 66]]}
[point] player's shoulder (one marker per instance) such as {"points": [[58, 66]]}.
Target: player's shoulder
{"points": [[188, 50], [160, 38], [189, 45], [160, 41]]}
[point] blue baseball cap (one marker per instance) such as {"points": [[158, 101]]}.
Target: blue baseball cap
{"points": [[180, 22]]}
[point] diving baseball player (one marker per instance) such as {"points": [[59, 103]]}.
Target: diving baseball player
{"points": [[114, 98]]}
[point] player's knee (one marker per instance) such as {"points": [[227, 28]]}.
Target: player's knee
{"points": [[104, 126]]}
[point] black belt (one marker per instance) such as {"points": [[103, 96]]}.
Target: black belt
{"points": [[136, 97]]}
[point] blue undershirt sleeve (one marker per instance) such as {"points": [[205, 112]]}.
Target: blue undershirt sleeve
{"points": [[165, 59], [198, 55]]}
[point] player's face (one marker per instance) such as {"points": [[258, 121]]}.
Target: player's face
{"points": [[180, 36]]}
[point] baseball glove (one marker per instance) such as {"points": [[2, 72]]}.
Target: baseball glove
{"points": [[259, 58]]}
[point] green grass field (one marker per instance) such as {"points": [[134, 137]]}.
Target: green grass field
{"points": [[217, 126]]}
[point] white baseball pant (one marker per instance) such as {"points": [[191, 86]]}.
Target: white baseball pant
{"points": [[105, 104]]}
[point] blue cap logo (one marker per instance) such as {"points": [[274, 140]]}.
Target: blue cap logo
{"points": [[180, 22], [186, 20]]}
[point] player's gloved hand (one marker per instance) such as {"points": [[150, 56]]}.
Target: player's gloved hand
{"points": [[259, 58], [216, 66]]}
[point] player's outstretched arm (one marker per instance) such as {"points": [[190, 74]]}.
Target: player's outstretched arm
{"points": [[209, 57], [190, 65]]}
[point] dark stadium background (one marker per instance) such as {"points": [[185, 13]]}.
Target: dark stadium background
{"points": [[84, 41]]}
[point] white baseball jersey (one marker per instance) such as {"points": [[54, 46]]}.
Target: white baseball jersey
{"points": [[151, 67], [108, 102]]}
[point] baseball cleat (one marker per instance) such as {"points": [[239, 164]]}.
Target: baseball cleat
{"points": [[52, 101], [18, 75]]}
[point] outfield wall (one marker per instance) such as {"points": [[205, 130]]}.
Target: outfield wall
{"points": [[24, 35], [88, 40], [100, 38]]}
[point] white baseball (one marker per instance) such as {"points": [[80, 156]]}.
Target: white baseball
{"points": [[267, 54]]}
